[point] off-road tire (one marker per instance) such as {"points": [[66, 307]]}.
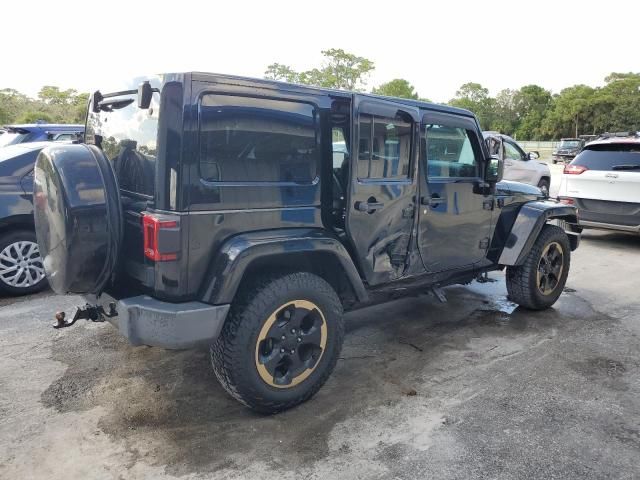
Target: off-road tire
{"points": [[233, 353], [7, 239], [522, 280]]}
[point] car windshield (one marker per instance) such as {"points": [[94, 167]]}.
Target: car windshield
{"points": [[610, 157], [569, 144], [127, 135], [11, 138]]}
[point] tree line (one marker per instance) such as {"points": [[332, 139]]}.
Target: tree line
{"points": [[52, 105], [528, 113]]}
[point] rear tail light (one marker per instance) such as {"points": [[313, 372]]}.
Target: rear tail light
{"points": [[567, 201], [161, 237], [574, 169]]}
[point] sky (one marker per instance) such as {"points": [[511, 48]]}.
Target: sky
{"points": [[436, 45]]}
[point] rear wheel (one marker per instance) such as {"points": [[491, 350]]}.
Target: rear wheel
{"points": [[21, 269], [539, 281], [280, 343]]}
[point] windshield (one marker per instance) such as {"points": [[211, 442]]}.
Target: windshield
{"points": [[11, 138], [569, 144], [127, 135]]}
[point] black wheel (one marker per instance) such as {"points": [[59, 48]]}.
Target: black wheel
{"points": [[280, 342], [539, 281], [21, 269], [543, 185]]}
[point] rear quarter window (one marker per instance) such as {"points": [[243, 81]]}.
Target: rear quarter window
{"points": [[257, 140], [610, 157]]}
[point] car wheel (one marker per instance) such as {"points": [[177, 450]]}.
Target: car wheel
{"points": [[544, 186], [21, 269], [280, 342], [539, 281]]}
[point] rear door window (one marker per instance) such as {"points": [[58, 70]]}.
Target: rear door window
{"points": [[610, 157], [257, 140], [384, 147]]}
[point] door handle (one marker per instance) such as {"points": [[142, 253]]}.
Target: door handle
{"points": [[432, 201], [368, 207]]}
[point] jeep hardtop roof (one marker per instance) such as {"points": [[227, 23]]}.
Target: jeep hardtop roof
{"points": [[294, 87]]}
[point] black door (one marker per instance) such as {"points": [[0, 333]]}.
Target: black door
{"points": [[455, 206], [381, 204]]}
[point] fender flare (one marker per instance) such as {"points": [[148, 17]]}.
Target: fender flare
{"points": [[238, 253], [528, 225]]}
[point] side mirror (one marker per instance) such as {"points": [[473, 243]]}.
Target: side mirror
{"points": [[495, 169], [145, 93], [533, 155]]}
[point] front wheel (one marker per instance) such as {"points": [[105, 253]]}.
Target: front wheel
{"points": [[280, 342], [539, 281], [543, 185]]}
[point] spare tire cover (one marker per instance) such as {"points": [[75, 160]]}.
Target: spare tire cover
{"points": [[78, 217]]}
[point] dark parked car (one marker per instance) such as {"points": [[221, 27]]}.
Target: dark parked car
{"points": [[567, 150], [39, 132], [210, 208], [21, 269]]}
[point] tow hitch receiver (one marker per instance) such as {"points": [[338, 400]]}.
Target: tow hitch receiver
{"points": [[95, 313]]}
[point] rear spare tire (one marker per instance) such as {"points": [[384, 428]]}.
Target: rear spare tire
{"points": [[78, 217]]}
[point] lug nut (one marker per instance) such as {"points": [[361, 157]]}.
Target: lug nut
{"points": [[292, 352], [293, 330], [299, 339], [282, 350], [283, 337]]}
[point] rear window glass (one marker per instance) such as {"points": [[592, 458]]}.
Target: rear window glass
{"points": [[245, 139], [128, 137], [610, 157]]}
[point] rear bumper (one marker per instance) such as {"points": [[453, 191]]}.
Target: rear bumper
{"points": [[608, 215], [144, 320]]}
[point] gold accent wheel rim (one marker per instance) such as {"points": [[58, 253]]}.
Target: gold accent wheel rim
{"points": [[550, 267], [290, 344]]}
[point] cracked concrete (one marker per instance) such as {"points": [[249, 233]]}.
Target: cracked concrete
{"points": [[470, 389]]}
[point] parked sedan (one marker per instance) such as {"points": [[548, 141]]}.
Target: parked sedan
{"points": [[603, 181], [518, 165], [39, 132], [21, 269]]}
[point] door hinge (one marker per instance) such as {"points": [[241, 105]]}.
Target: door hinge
{"points": [[408, 212], [484, 244]]}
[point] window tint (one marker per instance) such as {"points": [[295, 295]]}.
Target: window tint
{"points": [[246, 139], [384, 149], [610, 157], [449, 152], [511, 152]]}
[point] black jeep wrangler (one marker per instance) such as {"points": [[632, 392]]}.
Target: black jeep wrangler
{"points": [[251, 214]]}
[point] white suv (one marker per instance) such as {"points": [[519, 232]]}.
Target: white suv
{"points": [[603, 181], [518, 165]]}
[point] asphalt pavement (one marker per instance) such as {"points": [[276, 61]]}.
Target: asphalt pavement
{"points": [[469, 389]]}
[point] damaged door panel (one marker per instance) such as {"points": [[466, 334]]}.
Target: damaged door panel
{"points": [[381, 204]]}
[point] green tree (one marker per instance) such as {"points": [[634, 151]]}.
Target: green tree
{"points": [[397, 87], [340, 69], [572, 113], [474, 97], [531, 104]]}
